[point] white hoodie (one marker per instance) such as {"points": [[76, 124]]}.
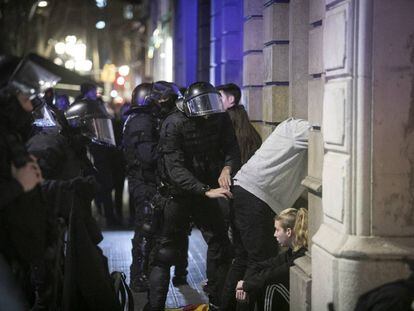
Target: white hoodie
{"points": [[275, 171]]}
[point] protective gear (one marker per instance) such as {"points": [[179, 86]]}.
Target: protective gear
{"points": [[193, 153], [164, 94], [167, 255], [201, 99], [94, 122], [140, 138], [44, 117], [31, 78], [139, 98]]}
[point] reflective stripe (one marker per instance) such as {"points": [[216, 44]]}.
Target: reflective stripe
{"points": [[270, 290]]}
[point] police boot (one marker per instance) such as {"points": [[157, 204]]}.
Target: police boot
{"points": [[139, 281]]}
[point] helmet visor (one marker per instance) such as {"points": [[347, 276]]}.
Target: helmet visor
{"points": [[31, 79], [100, 131], [44, 118], [204, 104]]}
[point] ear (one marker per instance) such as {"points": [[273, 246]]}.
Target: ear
{"points": [[231, 100], [289, 232]]}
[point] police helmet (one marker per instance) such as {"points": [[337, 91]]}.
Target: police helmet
{"points": [[94, 122], [201, 99]]}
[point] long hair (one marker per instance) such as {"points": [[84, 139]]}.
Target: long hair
{"points": [[297, 221], [248, 138]]}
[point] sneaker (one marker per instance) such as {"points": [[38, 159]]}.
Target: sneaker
{"points": [[213, 307], [179, 281]]}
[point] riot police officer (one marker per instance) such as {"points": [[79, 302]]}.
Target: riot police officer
{"points": [[199, 151], [23, 211], [151, 102]]}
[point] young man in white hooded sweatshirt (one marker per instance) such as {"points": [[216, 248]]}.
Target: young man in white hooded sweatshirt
{"points": [[267, 184]]}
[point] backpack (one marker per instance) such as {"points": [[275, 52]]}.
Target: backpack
{"points": [[122, 291]]}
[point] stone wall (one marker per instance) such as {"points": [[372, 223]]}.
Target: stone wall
{"points": [[274, 69], [367, 228]]}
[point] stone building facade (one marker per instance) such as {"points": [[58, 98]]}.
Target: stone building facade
{"points": [[348, 67]]}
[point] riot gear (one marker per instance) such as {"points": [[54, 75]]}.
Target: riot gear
{"points": [[93, 120], [201, 99], [193, 152], [140, 95], [164, 94], [32, 79], [44, 117], [150, 104]]}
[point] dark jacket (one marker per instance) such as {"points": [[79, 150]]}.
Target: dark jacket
{"points": [[271, 271], [140, 139], [194, 151], [70, 189], [23, 215]]}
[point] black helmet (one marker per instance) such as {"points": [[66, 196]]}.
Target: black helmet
{"points": [[94, 122], [140, 95], [163, 96], [200, 99]]}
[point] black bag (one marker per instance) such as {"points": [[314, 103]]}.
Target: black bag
{"points": [[122, 291]]}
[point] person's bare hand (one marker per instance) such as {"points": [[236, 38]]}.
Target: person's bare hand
{"points": [[225, 178], [28, 176], [241, 295], [219, 193], [239, 284]]}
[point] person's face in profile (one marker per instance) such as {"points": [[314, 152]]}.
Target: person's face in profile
{"points": [[228, 100]]}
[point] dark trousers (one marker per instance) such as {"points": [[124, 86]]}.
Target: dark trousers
{"points": [[252, 223], [207, 216], [142, 243]]}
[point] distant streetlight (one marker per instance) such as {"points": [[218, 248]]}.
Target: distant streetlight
{"points": [[70, 64], [100, 25], [100, 3], [60, 48], [71, 39], [120, 80], [58, 61], [42, 4], [123, 70]]}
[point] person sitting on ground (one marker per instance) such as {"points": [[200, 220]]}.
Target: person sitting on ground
{"points": [[266, 185], [291, 230]]}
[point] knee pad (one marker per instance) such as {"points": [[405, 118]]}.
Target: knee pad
{"points": [[167, 256]]}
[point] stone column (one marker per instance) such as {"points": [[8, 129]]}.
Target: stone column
{"points": [[368, 195], [276, 63], [253, 59], [298, 60]]}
